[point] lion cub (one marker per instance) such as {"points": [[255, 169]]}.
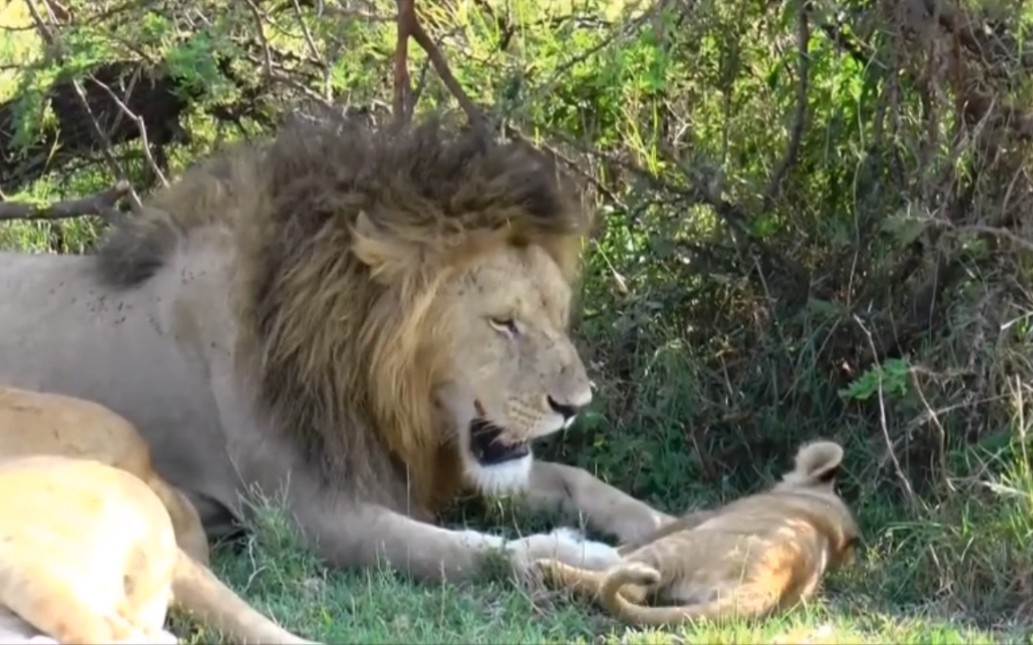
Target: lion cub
{"points": [[758, 554], [45, 423], [88, 555]]}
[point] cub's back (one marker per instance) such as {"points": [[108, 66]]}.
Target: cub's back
{"points": [[749, 537]]}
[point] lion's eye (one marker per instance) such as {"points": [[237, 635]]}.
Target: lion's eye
{"points": [[505, 325]]}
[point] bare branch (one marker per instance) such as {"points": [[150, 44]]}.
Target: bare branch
{"points": [[140, 126], [104, 204], [402, 88], [260, 32], [803, 37], [314, 51], [47, 34], [409, 25]]}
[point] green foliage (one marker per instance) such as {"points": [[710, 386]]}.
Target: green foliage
{"points": [[891, 376]]}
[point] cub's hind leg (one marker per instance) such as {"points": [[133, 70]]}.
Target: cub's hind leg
{"points": [[585, 582]]}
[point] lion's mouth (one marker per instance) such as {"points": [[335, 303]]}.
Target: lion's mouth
{"points": [[488, 449]]}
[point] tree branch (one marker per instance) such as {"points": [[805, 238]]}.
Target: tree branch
{"points": [[51, 39], [104, 204], [803, 37], [140, 126], [402, 87], [409, 25]]}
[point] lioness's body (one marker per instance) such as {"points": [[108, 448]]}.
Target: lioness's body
{"points": [[88, 555], [371, 323], [759, 554], [43, 423]]}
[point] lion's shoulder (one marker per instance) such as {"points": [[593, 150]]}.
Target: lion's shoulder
{"points": [[210, 192]]}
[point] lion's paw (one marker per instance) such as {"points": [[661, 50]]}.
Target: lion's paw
{"points": [[569, 534], [567, 546]]}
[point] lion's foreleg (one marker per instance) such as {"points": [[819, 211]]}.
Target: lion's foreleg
{"points": [[573, 491], [364, 535]]}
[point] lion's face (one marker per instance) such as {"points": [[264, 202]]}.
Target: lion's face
{"points": [[516, 375]]}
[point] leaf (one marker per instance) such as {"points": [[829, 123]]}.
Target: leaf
{"points": [[823, 308], [903, 228]]}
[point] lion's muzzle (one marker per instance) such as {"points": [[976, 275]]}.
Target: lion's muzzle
{"points": [[489, 449]]}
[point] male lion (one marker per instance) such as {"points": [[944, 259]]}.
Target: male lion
{"points": [[34, 423], [758, 554], [88, 555], [365, 321]]}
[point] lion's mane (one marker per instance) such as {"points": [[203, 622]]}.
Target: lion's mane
{"points": [[333, 346]]}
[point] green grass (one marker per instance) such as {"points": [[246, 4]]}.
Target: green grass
{"points": [[378, 606]]}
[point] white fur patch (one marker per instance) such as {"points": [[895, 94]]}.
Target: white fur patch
{"points": [[478, 540], [568, 533], [568, 546], [499, 479]]}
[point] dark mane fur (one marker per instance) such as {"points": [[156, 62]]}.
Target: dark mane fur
{"points": [[333, 347]]}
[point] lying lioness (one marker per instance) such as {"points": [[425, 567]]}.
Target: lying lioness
{"points": [[758, 554], [88, 554], [33, 423]]}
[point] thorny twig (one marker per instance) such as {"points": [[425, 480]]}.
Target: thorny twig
{"points": [[104, 204]]}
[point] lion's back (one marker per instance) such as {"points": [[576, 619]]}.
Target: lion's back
{"points": [[215, 192]]}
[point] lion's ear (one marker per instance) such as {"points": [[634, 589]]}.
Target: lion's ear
{"points": [[818, 462], [390, 258]]}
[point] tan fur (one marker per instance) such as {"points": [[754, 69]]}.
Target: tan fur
{"points": [[43, 423], [88, 554], [762, 553], [336, 314]]}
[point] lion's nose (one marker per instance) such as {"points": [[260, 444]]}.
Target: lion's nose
{"points": [[569, 410]]}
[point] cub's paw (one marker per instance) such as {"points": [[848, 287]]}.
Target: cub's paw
{"points": [[637, 573]]}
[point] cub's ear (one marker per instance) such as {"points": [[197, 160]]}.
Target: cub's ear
{"points": [[818, 462]]}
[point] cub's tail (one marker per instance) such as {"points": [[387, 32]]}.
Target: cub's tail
{"points": [[196, 589], [742, 603]]}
